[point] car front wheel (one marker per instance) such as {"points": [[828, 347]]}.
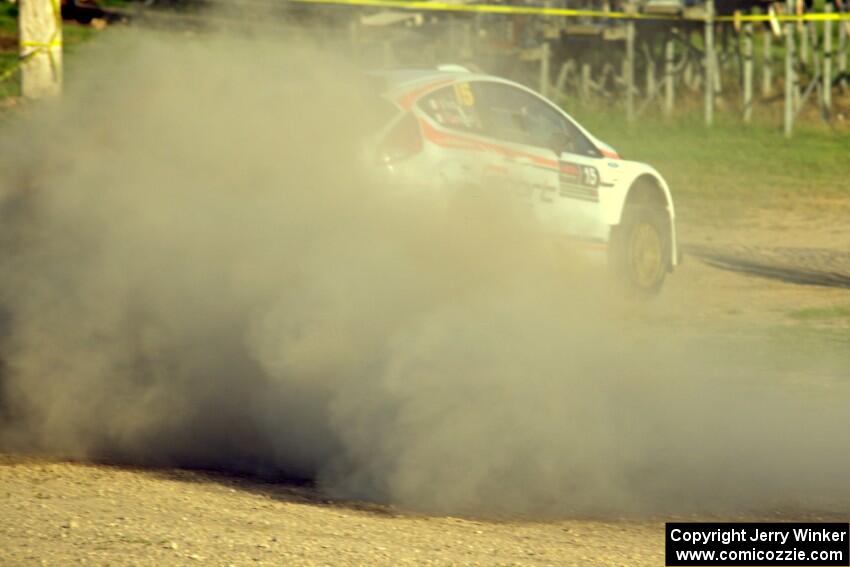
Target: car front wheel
{"points": [[640, 248]]}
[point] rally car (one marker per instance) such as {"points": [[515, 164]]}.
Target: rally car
{"points": [[457, 130]]}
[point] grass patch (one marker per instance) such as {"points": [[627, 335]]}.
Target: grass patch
{"points": [[9, 86], [730, 164], [830, 313], [808, 342], [807, 357], [74, 34]]}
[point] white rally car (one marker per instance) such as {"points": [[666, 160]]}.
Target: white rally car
{"points": [[453, 128]]}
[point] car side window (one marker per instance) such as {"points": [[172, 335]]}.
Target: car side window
{"points": [[455, 107], [502, 107], [517, 116]]}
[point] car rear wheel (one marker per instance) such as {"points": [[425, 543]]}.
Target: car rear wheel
{"points": [[640, 248]]}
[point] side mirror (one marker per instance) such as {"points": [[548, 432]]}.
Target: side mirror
{"points": [[560, 143]]}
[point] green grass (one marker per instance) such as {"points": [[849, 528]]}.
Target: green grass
{"points": [[810, 358], [9, 86], [76, 34], [833, 313], [731, 165], [799, 343]]}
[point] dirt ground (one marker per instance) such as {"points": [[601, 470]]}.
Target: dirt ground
{"points": [[813, 238], [65, 513]]}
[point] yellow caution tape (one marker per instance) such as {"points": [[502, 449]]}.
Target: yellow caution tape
{"points": [[44, 44], [424, 5], [816, 17]]}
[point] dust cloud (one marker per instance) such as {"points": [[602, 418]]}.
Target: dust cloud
{"points": [[198, 270]]}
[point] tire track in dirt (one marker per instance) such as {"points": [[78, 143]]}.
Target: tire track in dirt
{"points": [[806, 266]]}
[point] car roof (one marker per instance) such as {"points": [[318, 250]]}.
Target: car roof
{"points": [[400, 80]]}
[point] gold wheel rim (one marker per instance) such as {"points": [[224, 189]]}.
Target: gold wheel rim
{"points": [[645, 255]]}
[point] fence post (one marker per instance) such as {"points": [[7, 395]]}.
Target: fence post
{"points": [[629, 71], [468, 50], [843, 26], [651, 86], [709, 62], [789, 73], [827, 63], [804, 42], [585, 81], [669, 56], [544, 67], [748, 72], [688, 75], [767, 63]]}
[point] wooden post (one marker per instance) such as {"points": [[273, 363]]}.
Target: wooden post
{"points": [[804, 43], [354, 34], [585, 81], [789, 74], [544, 68], [669, 55], [709, 62], [40, 41], [561, 81], [827, 63], [651, 87], [767, 63], [468, 51], [843, 27], [748, 72], [629, 71], [796, 65], [717, 65]]}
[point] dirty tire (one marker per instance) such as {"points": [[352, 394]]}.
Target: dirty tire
{"points": [[640, 248]]}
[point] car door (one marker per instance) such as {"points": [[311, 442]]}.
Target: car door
{"points": [[551, 156], [532, 171], [463, 156]]}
